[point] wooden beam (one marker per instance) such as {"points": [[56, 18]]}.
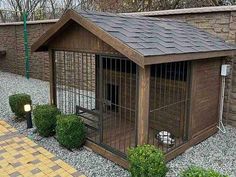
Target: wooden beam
{"points": [[143, 105], [149, 60], [52, 97], [206, 133], [169, 156], [107, 154]]}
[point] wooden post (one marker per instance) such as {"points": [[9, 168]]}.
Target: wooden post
{"points": [[52, 97], [143, 105]]}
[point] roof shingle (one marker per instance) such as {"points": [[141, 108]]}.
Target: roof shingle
{"points": [[155, 36]]}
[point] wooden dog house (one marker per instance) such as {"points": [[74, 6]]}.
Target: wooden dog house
{"points": [[135, 80]]}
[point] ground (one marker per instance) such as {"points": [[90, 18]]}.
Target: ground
{"points": [[20, 156], [217, 152]]}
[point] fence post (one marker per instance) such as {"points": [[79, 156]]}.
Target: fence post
{"points": [[26, 45], [143, 105]]}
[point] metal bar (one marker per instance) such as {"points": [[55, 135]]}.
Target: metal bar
{"points": [[168, 105], [26, 45], [115, 97], [76, 73], [136, 105], [101, 98], [95, 113], [119, 103]]}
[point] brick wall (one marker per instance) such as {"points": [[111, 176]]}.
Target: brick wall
{"points": [[220, 21], [12, 40]]}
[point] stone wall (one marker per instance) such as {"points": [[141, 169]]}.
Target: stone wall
{"points": [[12, 40]]}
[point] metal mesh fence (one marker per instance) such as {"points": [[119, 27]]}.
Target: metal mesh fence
{"points": [[169, 105], [102, 91]]}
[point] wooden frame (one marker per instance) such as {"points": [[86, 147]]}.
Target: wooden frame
{"points": [[143, 104], [204, 87], [53, 99]]}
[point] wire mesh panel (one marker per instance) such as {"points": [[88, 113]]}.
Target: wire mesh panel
{"points": [[75, 88], [169, 102], [119, 111], [102, 91]]}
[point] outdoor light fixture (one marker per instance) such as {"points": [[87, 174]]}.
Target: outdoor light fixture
{"points": [[27, 109]]}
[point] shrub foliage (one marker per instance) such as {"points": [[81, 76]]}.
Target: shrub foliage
{"points": [[17, 102], [45, 119], [200, 172], [70, 131], [147, 161]]}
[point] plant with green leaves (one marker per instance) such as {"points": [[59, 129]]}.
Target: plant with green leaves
{"points": [[45, 119], [200, 172], [147, 161], [70, 131], [17, 102]]}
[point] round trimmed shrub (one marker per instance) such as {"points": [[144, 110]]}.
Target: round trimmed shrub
{"points": [[148, 161], [17, 102], [45, 119], [200, 172], [70, 131]]}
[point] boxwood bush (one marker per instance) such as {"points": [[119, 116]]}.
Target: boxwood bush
{"points": [[45, 119], [70, 131], [148, 161], [200, 172], [17, 102]]}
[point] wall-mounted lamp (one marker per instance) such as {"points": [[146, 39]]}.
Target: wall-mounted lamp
{"points": [[27, 109]]}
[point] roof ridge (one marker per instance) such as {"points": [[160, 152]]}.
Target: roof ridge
{"points": [[124, 15]]}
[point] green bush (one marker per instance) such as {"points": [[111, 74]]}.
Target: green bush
{"points": [[70, 131], [17, 102], [200, 172], [147, 161], [45, 119]]}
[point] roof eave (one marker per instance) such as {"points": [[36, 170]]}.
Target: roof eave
{"points": [[42, 43], [109, 39], [188, 56]]}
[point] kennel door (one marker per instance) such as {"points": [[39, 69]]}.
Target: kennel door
{"points": [[117, 88]]}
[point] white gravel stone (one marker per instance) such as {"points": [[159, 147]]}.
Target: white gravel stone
{"points": [[217, 152]]}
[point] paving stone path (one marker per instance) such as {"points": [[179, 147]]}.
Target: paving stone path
{"points": [[19, 156]]}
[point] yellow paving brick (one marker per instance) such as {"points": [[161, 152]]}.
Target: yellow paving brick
{"points": [[28, 174], [3, 173], [9, 171], [64, 174], [23, 170], [17, 146], [59, 171], [51, 164], [72, 170], [47, 170], [41, 174], [58, 161]]}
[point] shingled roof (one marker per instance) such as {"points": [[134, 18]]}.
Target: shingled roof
{"points": [[148, 37]]}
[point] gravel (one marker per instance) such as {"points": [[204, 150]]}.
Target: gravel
{"points": [[217, 152]]}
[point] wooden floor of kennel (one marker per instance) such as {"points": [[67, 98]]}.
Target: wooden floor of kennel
{"points": [[76, 34]]}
